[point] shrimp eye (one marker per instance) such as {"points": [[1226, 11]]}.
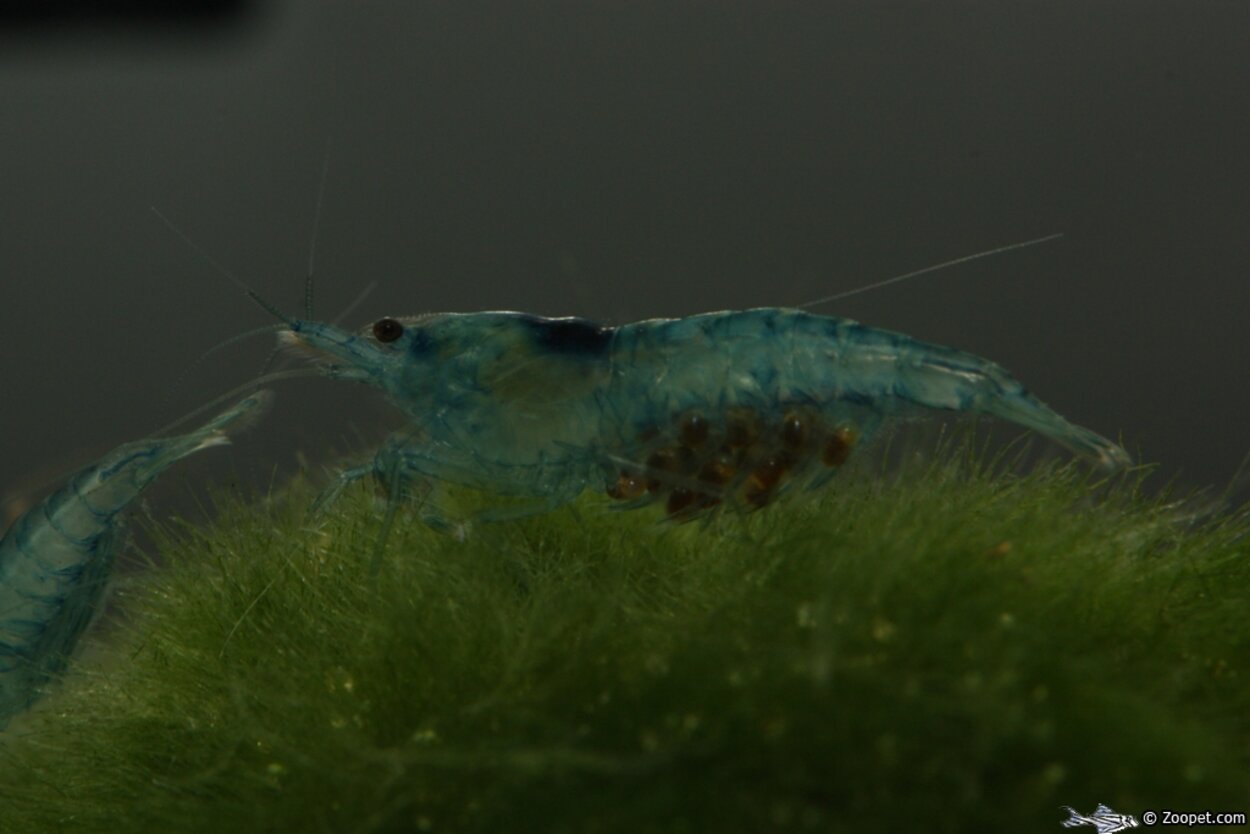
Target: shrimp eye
{"points": [[387, 330]]}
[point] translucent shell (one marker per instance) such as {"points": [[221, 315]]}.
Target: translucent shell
{"points": [[737, 458]]}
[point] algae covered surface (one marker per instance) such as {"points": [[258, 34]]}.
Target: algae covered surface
{"points": [[944, 649]]}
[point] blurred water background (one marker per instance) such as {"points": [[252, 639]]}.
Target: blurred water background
{"points": [[619, 161]]}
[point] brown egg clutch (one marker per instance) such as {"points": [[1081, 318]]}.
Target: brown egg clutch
{"points": [[738, 457]]}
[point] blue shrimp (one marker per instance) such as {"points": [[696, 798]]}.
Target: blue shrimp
{"points": [[56, 558], [722, 408]]}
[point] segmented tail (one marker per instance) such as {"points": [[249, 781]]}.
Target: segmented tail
{"points": [[949, 378], [1028, 411], [56, 559]]}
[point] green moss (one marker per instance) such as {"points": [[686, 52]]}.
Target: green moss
{"points": [[945, 650]]}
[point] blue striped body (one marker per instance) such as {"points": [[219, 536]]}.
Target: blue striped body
{"points": [[713, 407], [55, 560], [772, 359]]}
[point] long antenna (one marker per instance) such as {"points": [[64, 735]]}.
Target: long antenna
{"points": [[312, 243], [955, 262], [269, 308]]}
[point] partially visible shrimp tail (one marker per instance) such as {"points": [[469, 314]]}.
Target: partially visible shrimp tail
{"points": [[55, 560]]}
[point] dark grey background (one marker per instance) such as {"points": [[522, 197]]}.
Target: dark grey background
{"points": [[620, 160]]}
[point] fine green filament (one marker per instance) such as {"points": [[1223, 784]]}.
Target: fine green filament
{"points": [[943, 649]]}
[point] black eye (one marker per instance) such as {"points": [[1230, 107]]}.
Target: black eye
{"points": [[387, 330]]}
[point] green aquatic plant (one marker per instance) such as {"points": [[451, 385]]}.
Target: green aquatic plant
{"points": [[950, 648]]}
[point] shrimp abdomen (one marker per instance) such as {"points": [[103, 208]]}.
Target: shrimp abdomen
{"points": [[736, 404], [784, 357]]}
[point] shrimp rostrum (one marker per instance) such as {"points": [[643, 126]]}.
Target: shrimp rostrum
{"points": [[726, 408], [55, 559]]}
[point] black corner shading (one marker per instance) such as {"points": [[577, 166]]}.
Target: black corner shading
{"points": [[17, 14]]}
